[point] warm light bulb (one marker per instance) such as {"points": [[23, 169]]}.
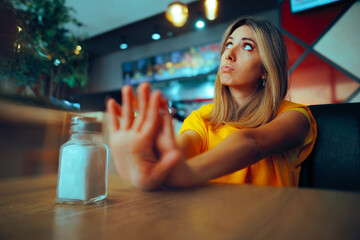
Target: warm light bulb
{"points": [[19, 28], [78, 47], [211, 9], [177, 13]]}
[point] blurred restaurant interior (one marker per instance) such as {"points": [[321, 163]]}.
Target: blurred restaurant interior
{"points": [[63, 58]]}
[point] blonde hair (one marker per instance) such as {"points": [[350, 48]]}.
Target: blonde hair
{"points": [[261, 107]]}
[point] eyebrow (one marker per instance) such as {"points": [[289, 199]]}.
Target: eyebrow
{"points": [[244, 38]]}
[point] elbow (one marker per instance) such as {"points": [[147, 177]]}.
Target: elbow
{"points": [[253, 142]]}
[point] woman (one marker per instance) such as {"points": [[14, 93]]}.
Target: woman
{"points": [[249, 135]]}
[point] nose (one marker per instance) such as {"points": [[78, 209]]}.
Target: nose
{"points": [[229, 58], [230, 54]]}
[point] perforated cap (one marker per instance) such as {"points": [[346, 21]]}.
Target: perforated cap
{"points": [[85, 124]]}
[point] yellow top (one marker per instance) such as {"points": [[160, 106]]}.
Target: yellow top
{"points": [[281, 169]]}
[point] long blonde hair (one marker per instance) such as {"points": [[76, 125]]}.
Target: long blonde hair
{"points": [[261, 107]]}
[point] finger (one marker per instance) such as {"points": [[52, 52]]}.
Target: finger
{"points": [[113, 110], [166, 138], [143, 92], [168, 127], [152, 118], [167, 162], [127, 106]]}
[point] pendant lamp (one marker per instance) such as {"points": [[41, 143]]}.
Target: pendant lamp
{"points": [[177, 13], [211, 9]]}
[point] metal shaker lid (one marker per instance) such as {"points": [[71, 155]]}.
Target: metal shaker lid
{"points": [[85, 124]]}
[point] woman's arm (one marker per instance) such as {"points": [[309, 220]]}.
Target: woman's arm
{"points": [[241, 149], [145, 151]]}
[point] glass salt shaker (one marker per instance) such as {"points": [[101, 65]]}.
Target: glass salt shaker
{"points": [[83, 164]]}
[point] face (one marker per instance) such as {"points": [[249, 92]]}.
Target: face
{"points": [[241, 66]]}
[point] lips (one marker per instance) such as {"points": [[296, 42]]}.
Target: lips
{"points": [[227, 68]]}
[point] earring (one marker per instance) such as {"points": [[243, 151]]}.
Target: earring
{"points": [[264, 82]]}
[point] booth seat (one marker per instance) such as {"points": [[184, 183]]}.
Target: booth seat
{"points": [[335, 160]]}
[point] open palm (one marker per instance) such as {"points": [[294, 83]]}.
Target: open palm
{"points": [[143, 147]]}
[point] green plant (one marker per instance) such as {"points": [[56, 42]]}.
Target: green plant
{"points": [[45, 56]]}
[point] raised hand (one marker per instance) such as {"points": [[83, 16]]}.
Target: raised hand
{"points": [[143, 147]]}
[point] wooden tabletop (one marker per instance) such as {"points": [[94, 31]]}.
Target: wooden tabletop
{"points": [[28, 211]]}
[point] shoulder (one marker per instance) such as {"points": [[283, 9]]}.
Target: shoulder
{"points": [[196, 120], [288, 105], [204, 109], [201, 113]]}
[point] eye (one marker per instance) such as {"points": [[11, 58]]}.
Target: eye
{"points": [[228, 45], [248, 46]]}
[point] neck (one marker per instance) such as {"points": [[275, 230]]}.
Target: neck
{"points": [[240, 95]]}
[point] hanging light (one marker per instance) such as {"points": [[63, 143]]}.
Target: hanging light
{"points": [[211, 9], [177, 13]]}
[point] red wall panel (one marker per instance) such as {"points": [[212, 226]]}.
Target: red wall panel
{"points": [[313, 78]]}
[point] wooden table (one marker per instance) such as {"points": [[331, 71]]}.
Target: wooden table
{"points": [[28, 211]]}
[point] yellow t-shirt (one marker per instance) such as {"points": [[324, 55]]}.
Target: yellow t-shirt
{"points": [[277, 170]]}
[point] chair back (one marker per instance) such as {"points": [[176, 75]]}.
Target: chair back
{"points": [[335, 160]]}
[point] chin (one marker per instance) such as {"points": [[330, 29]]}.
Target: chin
{"points": [[228, 83]]}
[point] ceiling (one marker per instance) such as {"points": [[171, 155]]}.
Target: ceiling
{"points": [[99, 17], [106, 22]]}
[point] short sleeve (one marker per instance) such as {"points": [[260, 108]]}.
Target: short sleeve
{"points": [[310, 134], [196, 123], [304, 150]]}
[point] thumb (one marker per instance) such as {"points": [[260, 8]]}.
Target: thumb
{"points": [[167, 162]]}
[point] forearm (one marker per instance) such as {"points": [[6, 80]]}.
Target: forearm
{"points": [[236, 152], [183, 175], [242, 149], [189, 143]]}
